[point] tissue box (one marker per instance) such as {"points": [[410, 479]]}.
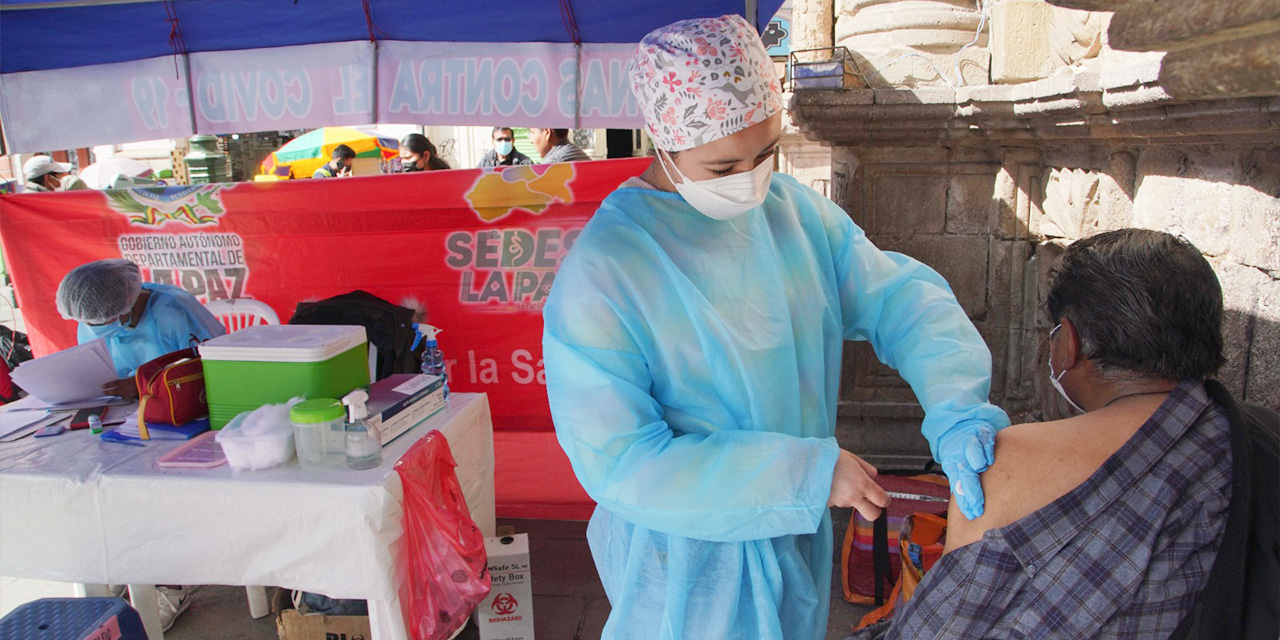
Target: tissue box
{"points": [[507, 614]]}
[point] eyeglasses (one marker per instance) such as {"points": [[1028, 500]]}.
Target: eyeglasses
{"points": [[505, 139]]}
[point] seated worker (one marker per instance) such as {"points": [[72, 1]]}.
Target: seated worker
{"points": [[140, 321], [339, 164], [504, 152], [554, 146], [1106, 524]]}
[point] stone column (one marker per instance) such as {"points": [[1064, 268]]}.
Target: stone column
{"points": [[806, 160], [811, 26], [910, 43]]}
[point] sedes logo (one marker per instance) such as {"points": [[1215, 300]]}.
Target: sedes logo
{"points": [[505, 604]]}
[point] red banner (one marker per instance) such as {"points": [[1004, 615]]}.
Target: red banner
{"points": [[478, 248]]}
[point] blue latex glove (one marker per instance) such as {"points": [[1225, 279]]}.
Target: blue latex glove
{"points": [[965, 453]]}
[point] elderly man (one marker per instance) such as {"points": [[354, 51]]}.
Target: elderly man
{"points": [[504, 152], [1105, 524], [554, 146], [43, 173]]}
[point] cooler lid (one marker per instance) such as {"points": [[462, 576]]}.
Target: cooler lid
{"points": [[284, 343]]}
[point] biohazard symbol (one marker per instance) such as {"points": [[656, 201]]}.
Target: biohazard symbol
{"points": [[505, 604]]}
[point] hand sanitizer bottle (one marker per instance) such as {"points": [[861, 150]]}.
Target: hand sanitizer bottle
{"points": [[364, 445], [432, 356]]}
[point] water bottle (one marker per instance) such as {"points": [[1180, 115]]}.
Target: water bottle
{"points": [[432, 356]]}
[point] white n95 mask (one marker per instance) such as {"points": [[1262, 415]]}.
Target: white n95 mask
{"points": [[1055, 379], [725, 197]]}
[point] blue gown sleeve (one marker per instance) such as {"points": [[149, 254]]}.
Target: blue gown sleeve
{"points": [[176, 319], [725, 486], [913, 321]]}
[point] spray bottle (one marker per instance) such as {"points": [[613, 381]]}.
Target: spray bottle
{"points": [[432, 357], [364, 444]]}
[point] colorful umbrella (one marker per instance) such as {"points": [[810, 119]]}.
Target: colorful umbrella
{"points": [[304, 154]]}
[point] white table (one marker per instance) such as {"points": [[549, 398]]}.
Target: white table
{"points": [[76, 509]]}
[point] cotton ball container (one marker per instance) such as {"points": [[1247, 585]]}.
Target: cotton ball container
{"points": [[259, 439]]}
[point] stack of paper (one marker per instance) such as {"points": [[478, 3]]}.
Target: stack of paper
{"points": [[68, 376], [16, 423]]}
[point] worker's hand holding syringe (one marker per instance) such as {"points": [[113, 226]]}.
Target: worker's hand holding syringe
{"points": [[853, 485]]}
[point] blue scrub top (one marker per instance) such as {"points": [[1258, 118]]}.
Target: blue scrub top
{"points": [[693, 370], [171, 318]]}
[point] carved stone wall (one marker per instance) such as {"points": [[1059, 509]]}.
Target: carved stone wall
{"points": [[1068, 136]]}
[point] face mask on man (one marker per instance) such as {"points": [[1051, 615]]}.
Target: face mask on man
{"points": [[1056, 379], [725, 197], [504, 148]]}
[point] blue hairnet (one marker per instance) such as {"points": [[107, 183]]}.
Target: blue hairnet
{"points": [[99, 291]]}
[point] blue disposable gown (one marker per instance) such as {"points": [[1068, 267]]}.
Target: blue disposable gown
{"points": [[693, 368], [172, 316]]}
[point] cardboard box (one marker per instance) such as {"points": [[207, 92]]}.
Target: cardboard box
{"points": [[292, 625], [507, 614], [399, 402]]}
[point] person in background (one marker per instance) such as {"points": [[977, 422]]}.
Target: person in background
{"points": [[554, 146], [1117, 540], [72, 183], [418, 154], [693, 342], [339, 164], [504, 151], [43, 173], [140, 321]]}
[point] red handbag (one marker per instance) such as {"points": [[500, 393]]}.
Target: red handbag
{"points": [[171, 390]]}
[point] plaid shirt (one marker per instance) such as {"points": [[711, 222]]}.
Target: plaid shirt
{"points": [[1123, 555]]}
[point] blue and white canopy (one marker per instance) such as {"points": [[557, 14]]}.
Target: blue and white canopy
{"points": [[80, 72]]}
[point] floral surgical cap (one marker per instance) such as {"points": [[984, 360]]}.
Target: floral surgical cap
{"points": [[701, 80]]}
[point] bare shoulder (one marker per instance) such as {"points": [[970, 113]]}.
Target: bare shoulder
{"points": [[1014, 485]]}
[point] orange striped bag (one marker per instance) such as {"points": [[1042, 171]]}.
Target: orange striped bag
{"points": [[869, 561]]}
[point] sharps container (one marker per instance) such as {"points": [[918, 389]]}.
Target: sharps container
{"points": [[319, 433], [269, 364]]}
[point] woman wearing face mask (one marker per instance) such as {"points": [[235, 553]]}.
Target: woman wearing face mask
{"points": [[693, 354], [418, 154], [140, 321]]}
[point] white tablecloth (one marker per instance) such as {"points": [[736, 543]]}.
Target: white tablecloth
{"points": [[76, 509]]}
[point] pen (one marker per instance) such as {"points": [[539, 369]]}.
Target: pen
{"points": [[132, 444], [112, 436]]}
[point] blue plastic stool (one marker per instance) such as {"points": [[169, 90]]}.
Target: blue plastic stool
{"points": [[73, 619]]}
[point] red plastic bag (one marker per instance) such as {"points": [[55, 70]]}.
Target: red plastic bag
{"points": [[447, 569]]}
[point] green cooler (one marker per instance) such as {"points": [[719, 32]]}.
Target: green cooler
{"points": [[269, 364]]}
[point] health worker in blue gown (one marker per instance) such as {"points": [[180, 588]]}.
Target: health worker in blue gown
{"points": [[140, 321], [693, 348]]}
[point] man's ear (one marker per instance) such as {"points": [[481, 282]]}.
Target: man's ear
{"points": [[1068, 348]]}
